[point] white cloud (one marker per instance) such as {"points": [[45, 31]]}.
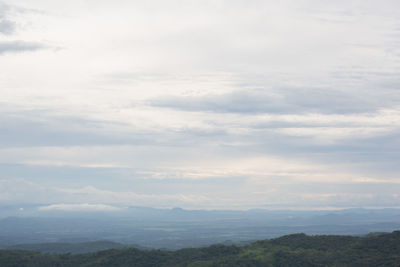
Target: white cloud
{"points": [[78, 207]]}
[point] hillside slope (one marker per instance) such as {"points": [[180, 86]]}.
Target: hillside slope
{"points": [[291, 250]]}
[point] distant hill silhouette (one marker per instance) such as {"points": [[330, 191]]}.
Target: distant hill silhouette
{"points": [[73, 248]]}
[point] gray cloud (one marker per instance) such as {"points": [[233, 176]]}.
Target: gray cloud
{"points": [[38, 128], [286, 101], [6, 25], [20, 46]]}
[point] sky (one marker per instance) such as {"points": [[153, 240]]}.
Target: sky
{"points": [[210, 104]]}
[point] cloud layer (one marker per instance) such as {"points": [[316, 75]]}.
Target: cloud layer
{"points": [[212, 104]]}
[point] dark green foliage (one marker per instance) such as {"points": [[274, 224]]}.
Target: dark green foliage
{"points": [[291, 250], [322, 242]]}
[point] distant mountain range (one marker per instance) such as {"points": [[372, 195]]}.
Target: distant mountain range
{"points": [[178, 228]]}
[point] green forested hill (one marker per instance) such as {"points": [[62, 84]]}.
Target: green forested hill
{"points": [[291, 250]]}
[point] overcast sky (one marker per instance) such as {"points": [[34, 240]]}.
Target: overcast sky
{"points": [[215, 104]]}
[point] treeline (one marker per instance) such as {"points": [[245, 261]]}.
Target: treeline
{"points": [[290, 250]]}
